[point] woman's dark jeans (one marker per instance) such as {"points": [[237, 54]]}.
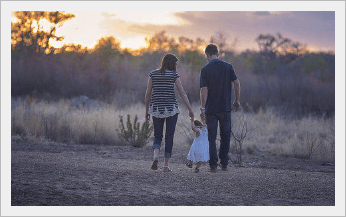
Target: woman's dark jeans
{"points": [[212, 120], [158, 133]]}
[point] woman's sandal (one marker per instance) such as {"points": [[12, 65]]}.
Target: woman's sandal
{"points": [[166, 169], [154, 166], [196, 170]]}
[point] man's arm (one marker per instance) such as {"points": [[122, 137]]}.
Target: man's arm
{"points": [[203, 97], [236, 85]]}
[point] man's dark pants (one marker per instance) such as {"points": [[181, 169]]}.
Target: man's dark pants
{"points": [[212, 120]]}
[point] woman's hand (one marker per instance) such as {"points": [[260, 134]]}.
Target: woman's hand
{"points": [[147, 116], [192, 117]]}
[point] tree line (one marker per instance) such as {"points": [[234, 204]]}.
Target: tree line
{"points": [[281, 74]]}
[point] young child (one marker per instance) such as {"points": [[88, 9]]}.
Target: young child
{"points": [[199, 150]]}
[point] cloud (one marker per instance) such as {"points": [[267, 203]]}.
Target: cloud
{"points": [[262, 13], [311, 28], [118, 27], [314, 28], [108, 15]]}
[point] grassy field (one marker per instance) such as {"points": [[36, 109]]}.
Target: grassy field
{"points": [[84, 121], [68, 153]]}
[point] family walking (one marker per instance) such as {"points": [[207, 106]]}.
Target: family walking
{"points": [[216, 81]]}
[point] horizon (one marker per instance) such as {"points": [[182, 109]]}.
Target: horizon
{"points": [[131, 28]]}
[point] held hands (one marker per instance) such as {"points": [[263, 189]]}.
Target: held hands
{"points": [[236, 105]]}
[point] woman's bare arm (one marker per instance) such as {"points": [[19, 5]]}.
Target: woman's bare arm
{"points": [[148, 97], [183, 95]]}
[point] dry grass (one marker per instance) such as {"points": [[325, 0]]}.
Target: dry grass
{"points": [[309, 137]]}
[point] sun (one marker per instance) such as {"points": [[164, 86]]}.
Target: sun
{"points": [[134, 43]]}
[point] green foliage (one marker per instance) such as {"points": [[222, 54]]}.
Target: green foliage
{"points": [[134, 134], [249, 62], [195, 60], [313, 63]]}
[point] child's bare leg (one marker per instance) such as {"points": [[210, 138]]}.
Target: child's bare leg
{"points": [[198, 164]]}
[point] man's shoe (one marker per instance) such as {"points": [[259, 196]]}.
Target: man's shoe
{"points": [[212, 169], [154, 166], [223, 167]]}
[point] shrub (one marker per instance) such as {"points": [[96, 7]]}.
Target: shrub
{"points": [[240, 131], [133, 134]]}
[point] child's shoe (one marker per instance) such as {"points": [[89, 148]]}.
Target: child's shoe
{"points": [[189, 164]]}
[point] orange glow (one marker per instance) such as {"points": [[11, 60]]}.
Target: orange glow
{"points": [[131, 27], [44, 25], [85, 28], [133, 43]]}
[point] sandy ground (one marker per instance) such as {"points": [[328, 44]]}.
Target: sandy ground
{"points": [[55, 174]]}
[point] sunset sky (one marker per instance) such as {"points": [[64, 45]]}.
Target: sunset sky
{"points": [[315, 29]]}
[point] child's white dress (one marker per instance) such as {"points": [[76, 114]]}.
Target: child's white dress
{"points": [[199, 150]]}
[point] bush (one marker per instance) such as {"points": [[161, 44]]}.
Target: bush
{"points": [[133, 134]]}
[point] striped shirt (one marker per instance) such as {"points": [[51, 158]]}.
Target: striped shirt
{"points": [[163, 100]]}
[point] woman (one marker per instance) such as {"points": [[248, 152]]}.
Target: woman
{"points": [[161, 103]]}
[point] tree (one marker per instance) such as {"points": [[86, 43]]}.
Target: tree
{"points": [[266, 46], [185, 44], [161, 42], [220, 40], [105, 49], [272, 47], [29, 34], [72, 48], [105, 52]]}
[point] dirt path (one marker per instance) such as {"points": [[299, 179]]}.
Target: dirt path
{"points": [[89, 175]]}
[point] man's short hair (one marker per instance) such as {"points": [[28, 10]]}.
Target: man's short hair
{"points": [[211, 49]]}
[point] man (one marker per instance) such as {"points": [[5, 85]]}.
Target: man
{"points": [[216, 104]]}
